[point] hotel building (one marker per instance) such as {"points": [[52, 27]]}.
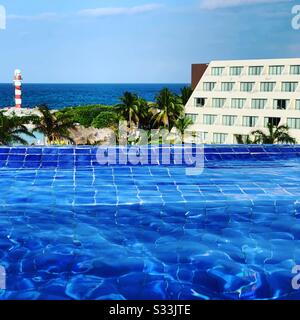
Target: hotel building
{"points": [[233, 98]]}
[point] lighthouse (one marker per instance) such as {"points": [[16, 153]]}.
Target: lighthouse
{"points": [[18, 88]]}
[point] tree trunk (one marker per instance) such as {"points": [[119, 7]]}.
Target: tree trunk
{"points": [[129, 120]]}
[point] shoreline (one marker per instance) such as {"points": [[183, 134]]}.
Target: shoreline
{"points": [[20, 112]]}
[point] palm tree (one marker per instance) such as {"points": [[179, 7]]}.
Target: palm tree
{"points": [[276, 134], [129, 107], [168, 108], [54, 127], [143, 114], [12, 127], [182, 124], [245, 140], [186, 93]]}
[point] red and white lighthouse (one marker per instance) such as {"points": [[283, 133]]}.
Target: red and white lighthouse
{"points": [[18, 88]]}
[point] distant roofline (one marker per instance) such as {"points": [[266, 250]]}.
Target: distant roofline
{"points": [[253, 60]]}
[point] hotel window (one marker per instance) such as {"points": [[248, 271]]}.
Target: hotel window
{"points": [[238, 103], [227, 86], [209, 86], [289, 86], [209, 119], [293, 123], [229, 120], [273, 121], [295, 70], [217, 71], [249, 121], [275, 70], [297, 106], [236, 71], [247, 86], [192, 117], [218, 102], [267, 86], [280, 104], [219, 138], [255, 71], [200, 102], [204, 136], [258, 103]]}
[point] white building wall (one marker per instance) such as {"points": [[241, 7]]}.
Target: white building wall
{"points": [[247, 110]]}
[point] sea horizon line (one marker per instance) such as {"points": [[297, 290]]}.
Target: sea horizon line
{"points": [[104, 83]]}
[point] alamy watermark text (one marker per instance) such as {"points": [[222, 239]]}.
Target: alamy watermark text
{"points": [[296, 278], [2, 278], [296, 18]]}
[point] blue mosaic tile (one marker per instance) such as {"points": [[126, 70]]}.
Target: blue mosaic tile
{"points": [[18, 150], [4, 150], [3, 156], [34, 150], [213, 157], [49, 157], [33, 158], [50, 151], [65, 151], [73, 229], [82, 150]]}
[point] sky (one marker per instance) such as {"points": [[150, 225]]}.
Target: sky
{"points": [[138, 41]]}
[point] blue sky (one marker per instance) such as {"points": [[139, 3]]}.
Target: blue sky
{"points": [[117, 41]]}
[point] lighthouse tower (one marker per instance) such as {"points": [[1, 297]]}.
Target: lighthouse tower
{"points": [[18, 88]]}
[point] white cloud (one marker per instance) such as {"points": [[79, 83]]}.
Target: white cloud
{"points": [[112, 11], [97, 12], [215, 4], [38, 17]]}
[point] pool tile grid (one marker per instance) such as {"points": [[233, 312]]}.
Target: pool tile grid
{"points": [[174, 237], [18, 158]]}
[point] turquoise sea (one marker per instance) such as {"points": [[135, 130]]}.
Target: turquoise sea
{"points": [[58, 96]]}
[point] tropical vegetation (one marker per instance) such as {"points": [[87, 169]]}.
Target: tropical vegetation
{"points": [[273, 135], [85, 115], [166, 112], [13, 129], [129, 107], [55, 127], [106, 119], [182, 124], [186, 93]]}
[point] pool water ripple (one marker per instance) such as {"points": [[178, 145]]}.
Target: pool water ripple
{"points": [[151, 232]]}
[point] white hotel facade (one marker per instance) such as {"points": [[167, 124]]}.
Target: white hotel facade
{"points": [[237, 97]]}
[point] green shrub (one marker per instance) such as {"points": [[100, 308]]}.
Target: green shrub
{"points": [[106, 119], [85, 115]]}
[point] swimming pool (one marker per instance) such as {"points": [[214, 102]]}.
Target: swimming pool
{"points": [[72, 229]]}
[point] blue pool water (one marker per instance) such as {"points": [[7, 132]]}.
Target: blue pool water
{"points": [[72, 229], [58, 96]]}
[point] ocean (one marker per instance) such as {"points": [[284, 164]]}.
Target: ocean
{"points": [[58, 96]]}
